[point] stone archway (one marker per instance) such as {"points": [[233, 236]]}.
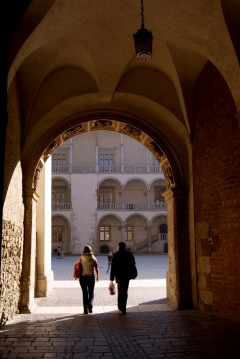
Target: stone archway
{"points": [[60, 234], [179, 292], [104, 249]]}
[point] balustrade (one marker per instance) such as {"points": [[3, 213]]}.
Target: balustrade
{"points": [[61, 206], [104, 169]]}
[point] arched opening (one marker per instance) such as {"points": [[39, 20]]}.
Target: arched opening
{"points": [[163, 235], [61, 194], [174, 195], [165, 248], [109, 231], [104, 249], [61, 234]]}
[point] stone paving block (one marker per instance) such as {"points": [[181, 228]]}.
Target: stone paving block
{"points": [[148, 331]]}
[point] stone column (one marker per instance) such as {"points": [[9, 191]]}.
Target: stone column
{"points": [[97, 159], [122, 153], [123, 198], [27, 303], [44, 274], [71, 156], [148, 199], [148, 164], [149, 232], [179, 270], [123, 233]]}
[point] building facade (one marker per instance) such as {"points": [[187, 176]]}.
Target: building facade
{"points": [[106, 188]]}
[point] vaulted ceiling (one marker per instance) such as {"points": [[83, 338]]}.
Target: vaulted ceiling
{"points": [[74, 58]]}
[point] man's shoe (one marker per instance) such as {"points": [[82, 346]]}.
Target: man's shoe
{"points": [[122, 311], [85, 311], [90, 308]]}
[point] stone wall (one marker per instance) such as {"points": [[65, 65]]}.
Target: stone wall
{"points": [[13, 214], [216, 183], [12, 242]]}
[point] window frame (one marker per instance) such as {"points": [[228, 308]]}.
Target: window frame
{"points": [[129, 231], [106, 161], [106, 232], [106, 194]]}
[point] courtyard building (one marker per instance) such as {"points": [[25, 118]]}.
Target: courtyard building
{"points": [[107, 188]]}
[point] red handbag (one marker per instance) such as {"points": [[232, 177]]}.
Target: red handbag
{"points": [[77, 269]]}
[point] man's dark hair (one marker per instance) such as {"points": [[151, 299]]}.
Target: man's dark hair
{"points": [[122, 246]]}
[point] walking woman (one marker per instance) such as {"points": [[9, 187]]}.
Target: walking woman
{"points": [[87, 278]]}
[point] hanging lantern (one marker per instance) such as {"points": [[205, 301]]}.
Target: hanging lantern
{"points": [[143, 40]]}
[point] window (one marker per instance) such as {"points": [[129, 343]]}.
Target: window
{"points": [[107, 194], [156, 165], [129, 233], [163, 231], [59, 194], [105, 233], [57, 233], [59, 160], [106, 162], [158, 197]]}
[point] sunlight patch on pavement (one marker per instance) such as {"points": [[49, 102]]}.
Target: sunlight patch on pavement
{"points": [[141, 283]]}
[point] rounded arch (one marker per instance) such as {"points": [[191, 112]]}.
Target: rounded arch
{"points": [[61, 193], [162, 218], [135, 214], [111, 178], [108, 215], [105, 249], [61, 233], [172, 166], [109, 229], [136, 179], [58, 178], [62, 216], [119, 122], [161, 181]]}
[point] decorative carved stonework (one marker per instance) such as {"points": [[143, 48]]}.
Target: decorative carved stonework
{"points": [[74, 131], [51, 148], [132, 132], [168, 174], [110, 125], [106, 125], [155, 150], [37, 172]]}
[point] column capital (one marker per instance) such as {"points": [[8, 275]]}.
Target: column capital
{"points": [[176, 193], [31, 193]]}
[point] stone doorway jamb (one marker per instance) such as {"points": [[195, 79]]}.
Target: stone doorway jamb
{"points": [[178, 276], [27, 304], [44, 273]]}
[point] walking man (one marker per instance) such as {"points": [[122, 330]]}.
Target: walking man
{"points": [[121, 268]]}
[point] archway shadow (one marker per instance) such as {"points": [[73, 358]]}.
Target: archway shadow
{"points": [[142, 334]]}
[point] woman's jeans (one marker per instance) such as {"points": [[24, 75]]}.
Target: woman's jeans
{"points": [[87, 284]]}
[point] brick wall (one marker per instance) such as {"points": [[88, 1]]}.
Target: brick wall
{"points": [[216, 181]]}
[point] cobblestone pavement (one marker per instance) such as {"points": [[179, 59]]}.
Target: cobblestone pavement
{"points": [[58, 329]]}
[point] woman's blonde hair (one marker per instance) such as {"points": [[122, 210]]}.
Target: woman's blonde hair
{"points": [[87, 250]]}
